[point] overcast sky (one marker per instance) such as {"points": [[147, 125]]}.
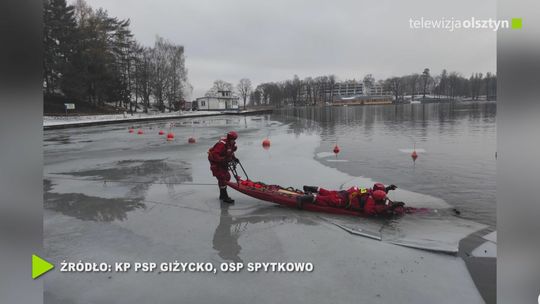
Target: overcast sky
{"points": [[274, 40]]}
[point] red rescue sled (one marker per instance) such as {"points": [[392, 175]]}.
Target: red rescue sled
{"points": [[288, 197]]}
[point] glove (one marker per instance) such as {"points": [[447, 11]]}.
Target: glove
{"points": [[391, 187], [397, 205], [235, 160]]}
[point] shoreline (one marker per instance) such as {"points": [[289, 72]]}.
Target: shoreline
{"points": [[77, 124]]}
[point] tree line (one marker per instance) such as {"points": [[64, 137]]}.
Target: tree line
{"points": [[91, 57], [322, 89], [447, 86], [296, 91]]}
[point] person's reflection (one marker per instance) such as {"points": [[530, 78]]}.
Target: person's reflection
{"points": [[228, 231], [226, 242]]}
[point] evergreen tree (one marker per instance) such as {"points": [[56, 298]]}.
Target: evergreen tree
{"points": [[59, 42]]}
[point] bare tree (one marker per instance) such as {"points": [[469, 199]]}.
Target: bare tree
{"points": [[143, 76], [395, 85], [331, 83], [273, 93], [435, 82], [307, 90], [443, 84], [244, 89], [453, 84], [412, 83], [426, 79], [319, 88], [476, 85], [177, 76], [296, 87], [159, 72], [255, 97], [219, 85], [287, 91], [82, 12], [490, 86], [369, 82]]}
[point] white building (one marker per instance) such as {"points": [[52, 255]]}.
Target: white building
{"points": [[377, 90], [224, 100], [345, 89]]}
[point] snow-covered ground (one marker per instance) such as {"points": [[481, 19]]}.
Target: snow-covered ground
{"points": [[66, 120]]}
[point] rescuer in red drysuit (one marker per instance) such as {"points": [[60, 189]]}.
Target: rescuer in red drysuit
{"points": [[376, 203], [370, 201], [219, 156]]}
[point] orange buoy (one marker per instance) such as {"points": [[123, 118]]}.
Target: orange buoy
{"points": [[191, 140], [266, 144], [161, 132], [414, 156], [131, 130], [140, 132], [170, 136], [336, 149]]}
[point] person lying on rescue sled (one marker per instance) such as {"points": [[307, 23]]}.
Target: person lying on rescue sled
{"points": [[219, 156], [369, 201]]}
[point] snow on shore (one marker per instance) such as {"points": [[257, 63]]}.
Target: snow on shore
{"points": [[66, 120]]}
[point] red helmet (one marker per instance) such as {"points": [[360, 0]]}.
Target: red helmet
{"points": [[379, 195], [379, 186], [232, 135]]}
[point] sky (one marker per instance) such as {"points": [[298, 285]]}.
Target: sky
{"points": [[275, 40]]}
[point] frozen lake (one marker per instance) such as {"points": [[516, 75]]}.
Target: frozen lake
{"points": [[115, 196], [455, 143]]}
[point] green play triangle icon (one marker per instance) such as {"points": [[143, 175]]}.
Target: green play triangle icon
{"points": [[40, 266]]}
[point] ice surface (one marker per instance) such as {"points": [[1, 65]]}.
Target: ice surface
{"points": [[186, 222], [367, 228], [492, 237], [411, 150], [436, 233], [486, 250], [324, 154]]}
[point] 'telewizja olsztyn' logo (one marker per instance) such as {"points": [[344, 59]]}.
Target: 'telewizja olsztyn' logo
{"points": [[452, 24]]}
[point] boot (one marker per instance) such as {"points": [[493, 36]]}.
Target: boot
{"points": [[304, 199], [311, 189], [223, 196]]}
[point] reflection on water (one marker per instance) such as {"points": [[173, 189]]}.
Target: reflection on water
{"points": [[57, 139], [90, 208], [105, 204], [459, 141], [230, 228], [225, 240], [139, 170]]}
